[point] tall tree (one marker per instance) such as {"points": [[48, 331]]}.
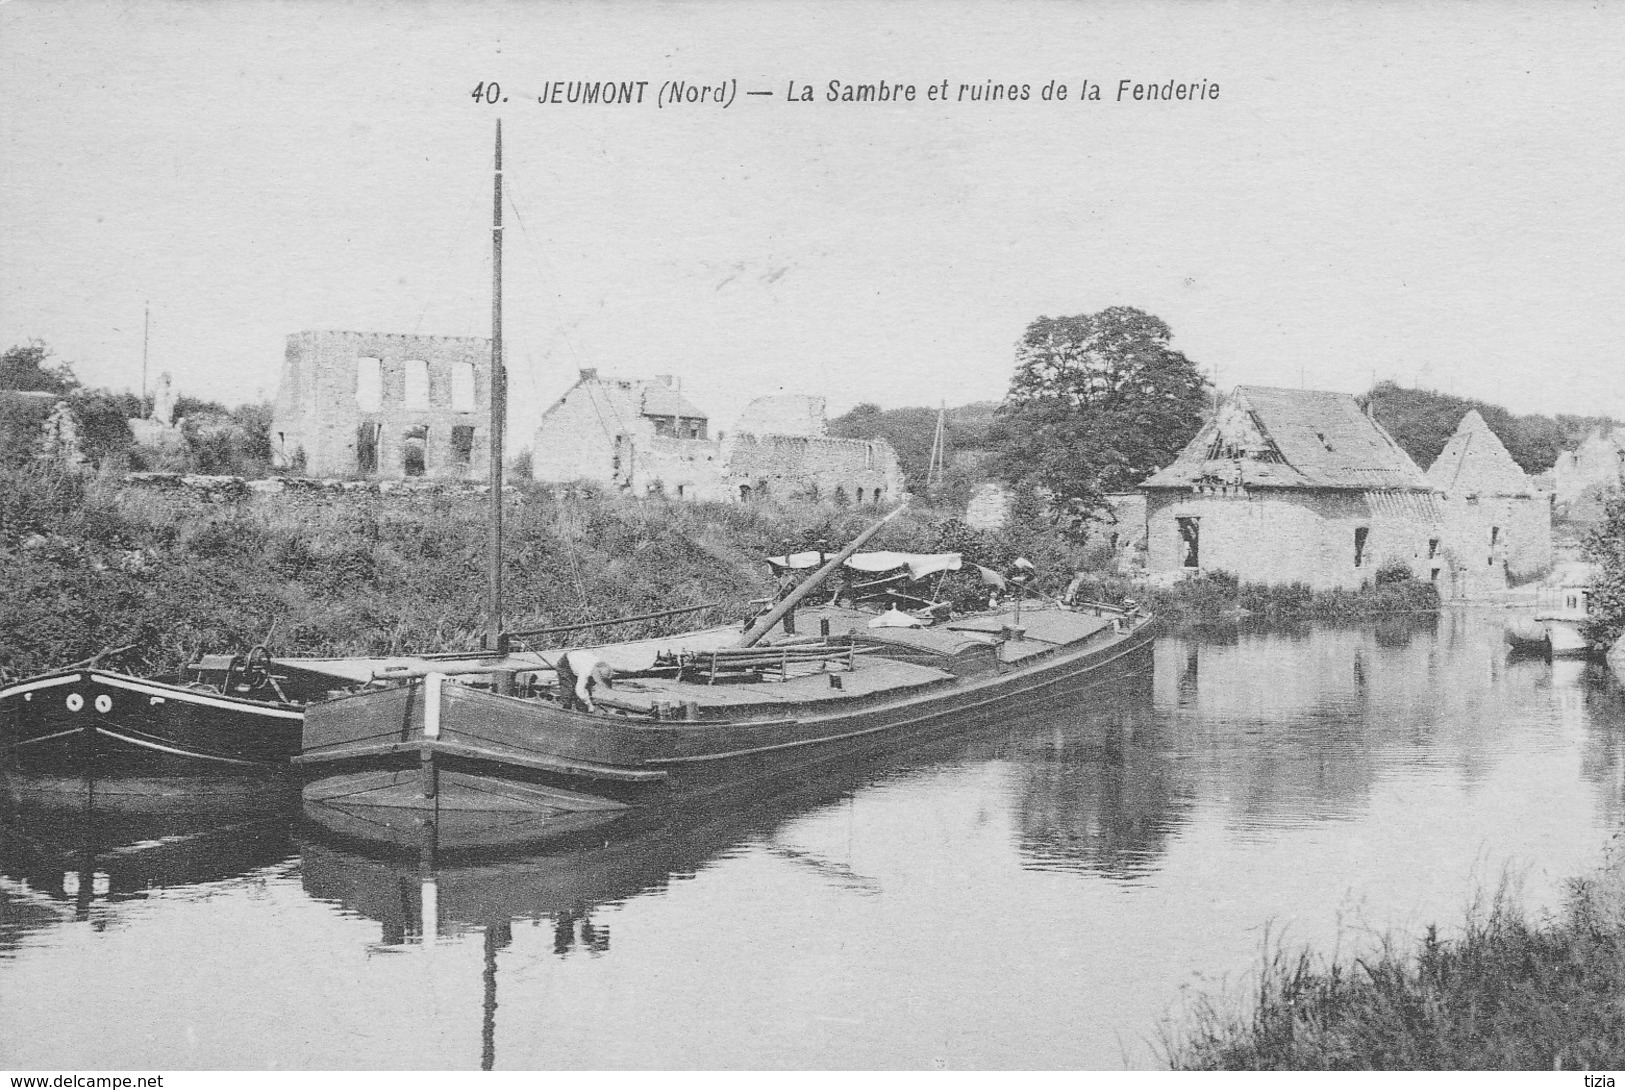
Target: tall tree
{"points": [[23, 367], [1605, 546], [1098, 403]]}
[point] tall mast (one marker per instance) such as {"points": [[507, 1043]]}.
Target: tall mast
{"points": [[935, 470], [499, 409], [146, 328]]}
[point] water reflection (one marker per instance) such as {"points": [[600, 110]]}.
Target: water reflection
{"points": [[71, 850], [1097, 788], [1034, 892]]}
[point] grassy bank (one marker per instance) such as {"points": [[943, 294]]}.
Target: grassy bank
{"points": [[90, 564], [1218, 596], [1509, 994]]}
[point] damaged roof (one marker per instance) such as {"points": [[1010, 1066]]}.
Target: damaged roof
{"points": [[660, 399], [1272, 437], [1475, 462]]}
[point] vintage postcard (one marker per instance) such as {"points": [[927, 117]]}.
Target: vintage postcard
{"points": [[812, 536]]}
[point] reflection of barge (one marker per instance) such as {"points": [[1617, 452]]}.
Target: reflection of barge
{"points": [[119, 837]]}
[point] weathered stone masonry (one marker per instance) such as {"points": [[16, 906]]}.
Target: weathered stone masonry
{"points": [[384, 405], [645, 437]]}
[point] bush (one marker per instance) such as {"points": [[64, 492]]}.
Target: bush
{"points": [[1394, 571]]}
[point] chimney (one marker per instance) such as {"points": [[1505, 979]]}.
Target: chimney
{"points": [[589, 374], [664, 380]]}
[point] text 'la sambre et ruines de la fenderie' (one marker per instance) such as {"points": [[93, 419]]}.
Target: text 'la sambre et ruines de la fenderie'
{"points": [[725, 92]]}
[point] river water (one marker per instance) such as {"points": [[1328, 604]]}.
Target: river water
{"points": [[1046, 893]]}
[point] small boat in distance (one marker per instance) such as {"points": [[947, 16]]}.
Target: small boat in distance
{"points": [[1528, 636]]}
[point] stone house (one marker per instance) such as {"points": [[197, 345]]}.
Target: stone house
{"points": [[384, 405], [629, 434], [1583, 474], [1496, 525], [1285, 486], [645, 437]]}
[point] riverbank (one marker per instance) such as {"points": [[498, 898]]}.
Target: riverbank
{"points": [[1508, 994], [94, 563], [1218, 596]]}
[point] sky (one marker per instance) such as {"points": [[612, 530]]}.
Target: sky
{"points": [[1432, 193]]}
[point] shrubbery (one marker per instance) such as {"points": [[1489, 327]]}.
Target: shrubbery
{"points": [[91, 565], [1220, 595]]}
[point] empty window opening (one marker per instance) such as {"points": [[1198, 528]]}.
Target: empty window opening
{"points": [[462, 387], [681, 491], [416, 374], [1190, 537], [415, 450], [462, 444], [860, 495], [744, 493], [1495, 536], [369, 384], [366, 448], [1433, 547], [1360, 535]]}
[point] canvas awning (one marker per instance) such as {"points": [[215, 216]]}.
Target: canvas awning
{"points": [[919, 565]]}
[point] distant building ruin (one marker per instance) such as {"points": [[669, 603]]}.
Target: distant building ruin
{"points": [[1290, 486], [645, 437], [784, 414], [1299, 486], [1497, 526], [384, 405], [1584, 474], [159, 431]]}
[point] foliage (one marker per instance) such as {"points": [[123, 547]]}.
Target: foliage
{"points": [[1394, 571], [91, 564], [1507, 994], [23, 367], [911, 432], [1098, 403], [103, 418], [22, 421], [1220, 595], [1422, 421], [1605, 546]]}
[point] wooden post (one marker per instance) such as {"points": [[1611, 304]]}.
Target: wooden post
{"points": [[428, 776]]}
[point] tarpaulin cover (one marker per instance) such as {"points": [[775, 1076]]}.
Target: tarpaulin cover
{"points": [[895, 618], [919, 565]]}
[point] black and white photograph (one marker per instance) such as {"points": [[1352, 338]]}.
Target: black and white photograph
{"points": [[966, 537]]}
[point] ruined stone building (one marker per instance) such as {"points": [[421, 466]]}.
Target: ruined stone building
{"points": [[645, 437], [1496, 525], [784, 414], [1299, 486], [159, 432], [384, 405], [1290, 486], [1582, 475]]}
